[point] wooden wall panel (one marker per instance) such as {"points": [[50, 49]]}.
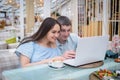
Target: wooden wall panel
{"points": [[29, 16], [93, 29]]}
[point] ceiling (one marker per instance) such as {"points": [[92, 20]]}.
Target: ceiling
{"points": [[8, 8]]}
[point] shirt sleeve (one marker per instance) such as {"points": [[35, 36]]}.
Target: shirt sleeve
{"points": [[74, 37], [25, 49]]}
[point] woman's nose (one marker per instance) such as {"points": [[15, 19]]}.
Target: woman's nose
{"points": [[57, 34]]}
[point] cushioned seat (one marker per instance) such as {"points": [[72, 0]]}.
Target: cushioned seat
{"points": [[3, 45], [8, 60], [13, 45]]}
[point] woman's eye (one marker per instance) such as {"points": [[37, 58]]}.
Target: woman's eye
{"points": [[54, 32]]}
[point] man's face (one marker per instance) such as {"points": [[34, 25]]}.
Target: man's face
{"points": [[64, 32]]}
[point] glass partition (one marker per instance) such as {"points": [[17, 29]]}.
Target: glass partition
{"points": [[90, 17]]}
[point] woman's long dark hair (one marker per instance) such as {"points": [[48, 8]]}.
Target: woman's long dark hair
{"points": [[45, 27]]}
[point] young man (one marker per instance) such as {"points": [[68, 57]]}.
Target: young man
{"points": [[67, 41]]}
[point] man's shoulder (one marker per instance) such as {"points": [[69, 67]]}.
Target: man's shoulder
{"points": [[73, 35]]}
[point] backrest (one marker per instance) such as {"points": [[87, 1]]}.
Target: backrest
{"points": [[8, 61]]}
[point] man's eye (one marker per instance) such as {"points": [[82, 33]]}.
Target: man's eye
{"points": [[63, 30], [68, 31]]}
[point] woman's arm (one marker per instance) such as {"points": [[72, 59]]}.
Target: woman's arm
{"points": [[25, 61]]}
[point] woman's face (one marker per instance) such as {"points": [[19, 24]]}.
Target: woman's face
{"points": [[53, 34]]}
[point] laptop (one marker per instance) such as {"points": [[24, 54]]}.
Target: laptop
{"points": [[89, 50]]}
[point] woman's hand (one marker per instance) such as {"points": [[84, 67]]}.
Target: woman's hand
{"points": [[58, 58], [69, 54]]}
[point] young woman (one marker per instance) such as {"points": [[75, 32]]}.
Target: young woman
{"points": [[41, 47]]}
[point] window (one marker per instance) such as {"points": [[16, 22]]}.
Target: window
{"points": [[90, 17], [2, 14]]}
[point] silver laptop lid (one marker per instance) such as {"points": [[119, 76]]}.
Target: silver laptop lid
{"points": [[90, 49]]}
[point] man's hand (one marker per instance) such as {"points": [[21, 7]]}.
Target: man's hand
{"points": [[69, 54]]}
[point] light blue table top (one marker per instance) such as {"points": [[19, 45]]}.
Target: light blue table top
{"points": [[44, 72]]}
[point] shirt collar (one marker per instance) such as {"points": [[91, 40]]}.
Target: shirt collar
{"points": [[60, 44]]}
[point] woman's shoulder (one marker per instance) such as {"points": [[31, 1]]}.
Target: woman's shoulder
{"points": [[27, 44], [26, 49]]}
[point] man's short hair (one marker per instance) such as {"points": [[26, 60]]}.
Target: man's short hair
{"points": [[63, 20]]}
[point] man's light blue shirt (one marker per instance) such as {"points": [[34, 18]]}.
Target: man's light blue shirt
{"points": [[36, 52], [70, 44]]}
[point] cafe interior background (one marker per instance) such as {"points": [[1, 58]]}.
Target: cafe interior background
{"points": [[21, 18], [90, 17]]}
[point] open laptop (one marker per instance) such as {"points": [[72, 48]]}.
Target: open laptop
{"points": [[89, 49]]}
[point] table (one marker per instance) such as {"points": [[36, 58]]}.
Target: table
{"points": [[44, 72]]}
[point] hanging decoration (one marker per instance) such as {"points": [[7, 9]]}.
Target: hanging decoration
{"points": [[12, 3]]}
